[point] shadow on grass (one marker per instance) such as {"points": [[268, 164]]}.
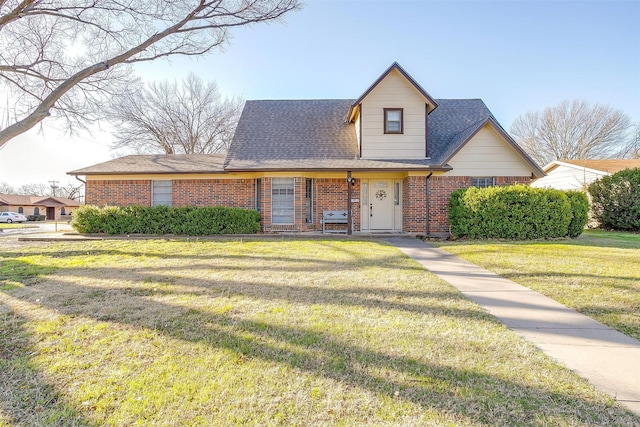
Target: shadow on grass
{"points": [[469, 395], [26, 396]]}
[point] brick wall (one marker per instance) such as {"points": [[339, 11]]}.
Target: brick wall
{"points": [[118, 192], [414, 204], [214, 192], [331, 195]]}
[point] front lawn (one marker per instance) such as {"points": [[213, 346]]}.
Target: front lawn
{"points": [[263, 332], [597, 274]]}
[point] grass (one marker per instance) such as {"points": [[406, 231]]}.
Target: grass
{"points": [[263, 332], [597, 274]]}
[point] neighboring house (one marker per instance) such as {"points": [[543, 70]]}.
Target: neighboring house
{"points": [[402, 151], [578, 174], [52, 207]]}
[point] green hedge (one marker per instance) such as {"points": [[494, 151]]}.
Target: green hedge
{"points": [[516, 212], [580, 212], [36, 217], [615, 200], [192, 221]]}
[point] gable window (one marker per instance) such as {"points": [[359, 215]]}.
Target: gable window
{"points": [[161, 193], [282, 201], [393, 120], [482, 181]]}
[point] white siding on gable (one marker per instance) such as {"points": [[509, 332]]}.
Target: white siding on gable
{"points": [[567, 178], [394, 91], [488, 154], [357, 129]]}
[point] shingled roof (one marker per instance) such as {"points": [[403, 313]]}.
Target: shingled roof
{"points": [[609, 166], [157, 164], [315, 134], [20, 200]]}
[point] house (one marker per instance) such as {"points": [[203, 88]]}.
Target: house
{"points": [[58, 208], [389, 158], [578, 174]]}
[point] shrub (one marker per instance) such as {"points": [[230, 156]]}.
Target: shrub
{"points": [[512, 212], [580, 210], [192, 221], [36, 217], [615, 200]]}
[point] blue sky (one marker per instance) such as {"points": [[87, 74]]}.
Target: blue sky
{"points": [[517, 56]]}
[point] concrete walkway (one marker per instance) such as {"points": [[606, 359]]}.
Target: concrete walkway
{"points": [[606, 358]]}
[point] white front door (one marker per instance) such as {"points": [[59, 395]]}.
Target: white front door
{"points": [[381, 202]]}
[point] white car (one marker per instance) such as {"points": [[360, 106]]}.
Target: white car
{"points": [[10, 217]]}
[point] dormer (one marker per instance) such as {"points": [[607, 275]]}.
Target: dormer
{"points": [[391, 117]]}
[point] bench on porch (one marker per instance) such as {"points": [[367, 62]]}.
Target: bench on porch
{"points": [[334, 217]]}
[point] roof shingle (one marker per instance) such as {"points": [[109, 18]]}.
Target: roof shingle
{"points": [[157, 163]]}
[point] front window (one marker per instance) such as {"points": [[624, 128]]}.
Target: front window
{"points": [[282, 201], [161, 193], [36, 211], [393, 120], [20, 210], [308, 200], [258, 194], [482, 181]]}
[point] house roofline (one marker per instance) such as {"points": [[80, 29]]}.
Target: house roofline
{"points": [[394, 66], [554, 164], [78, 173], [444, 168]]}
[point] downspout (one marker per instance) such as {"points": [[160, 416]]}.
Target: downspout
{"points": [[84, 197], [427, 204]]}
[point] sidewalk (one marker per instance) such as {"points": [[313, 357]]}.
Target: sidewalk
{"points": [[606, 358]]}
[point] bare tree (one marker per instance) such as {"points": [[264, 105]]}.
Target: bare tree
{"points": [[71, 191], [631, 149], [172, 118], [6, 188], [62, 58], [34, 189], [571, 130]]}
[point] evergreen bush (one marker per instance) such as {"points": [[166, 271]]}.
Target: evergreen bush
{"points": [[615, 200], [189, 220], [515, 212]]}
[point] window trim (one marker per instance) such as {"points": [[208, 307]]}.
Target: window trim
{"points": [[293, 201], [485, 178], [153, 192], [386, 121]]}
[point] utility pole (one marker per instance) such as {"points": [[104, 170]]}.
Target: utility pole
{"points": [[54, 186]]}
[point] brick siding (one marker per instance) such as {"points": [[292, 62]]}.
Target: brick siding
{"points": [[329, 194], [118, 192], [214, 192]]}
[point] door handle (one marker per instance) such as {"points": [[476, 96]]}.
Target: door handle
{"points": [[370, 209]]}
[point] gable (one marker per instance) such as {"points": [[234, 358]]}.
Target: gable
{"points": [[396, 92], [567, 177], [487, 153]]}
